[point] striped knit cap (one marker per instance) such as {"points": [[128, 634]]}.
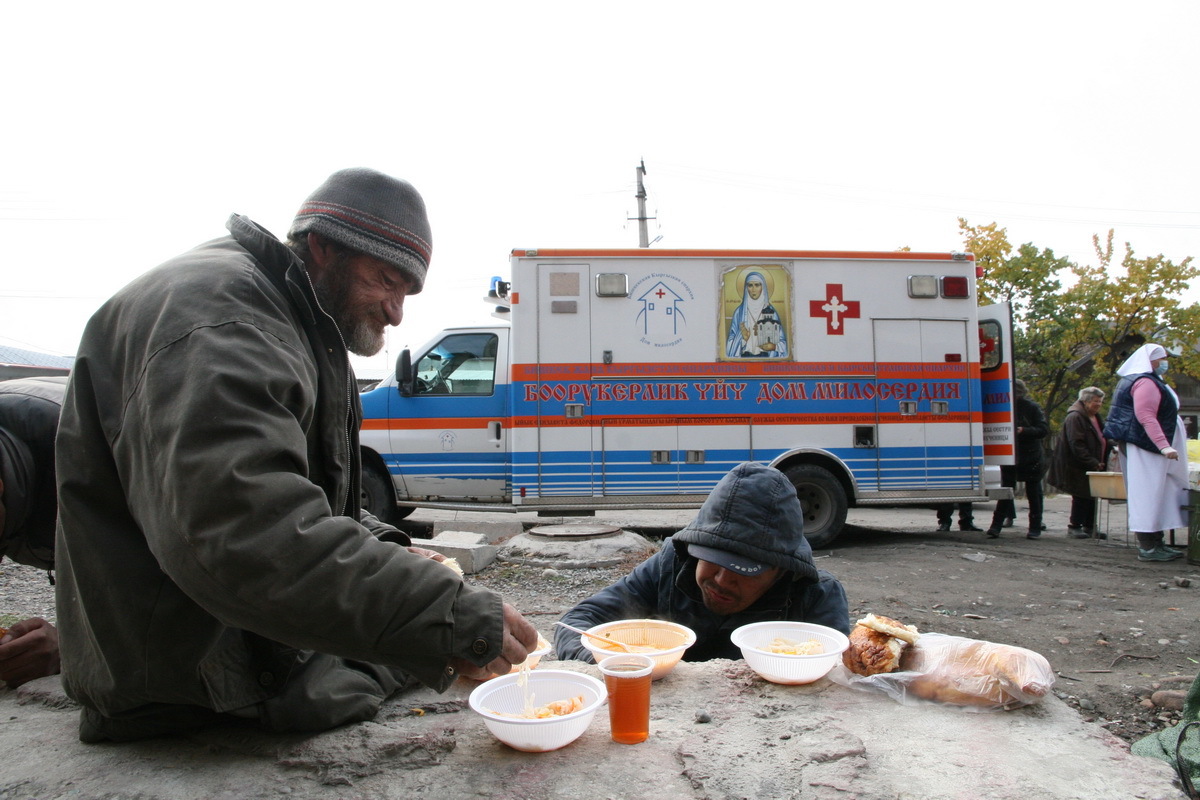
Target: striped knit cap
{"points": [[371, 213]]}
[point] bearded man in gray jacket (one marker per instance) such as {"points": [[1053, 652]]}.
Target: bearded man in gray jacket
{"points": [[213, 559]]}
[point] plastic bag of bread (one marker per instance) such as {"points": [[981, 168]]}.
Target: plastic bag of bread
{"points": [[971, 674]]}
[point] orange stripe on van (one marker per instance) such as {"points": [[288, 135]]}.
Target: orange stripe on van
{"points": [[431, 423], [819, 370], [888, 255]]}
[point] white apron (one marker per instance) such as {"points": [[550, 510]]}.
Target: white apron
{"points": [[1157, 487]]}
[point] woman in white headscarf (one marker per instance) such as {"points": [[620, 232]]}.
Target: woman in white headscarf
{"points": [[1144, 421]]}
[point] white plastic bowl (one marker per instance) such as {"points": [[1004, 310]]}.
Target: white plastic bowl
{"points": [[753, 640], [543, 647], [669, 640], [547, 685]]}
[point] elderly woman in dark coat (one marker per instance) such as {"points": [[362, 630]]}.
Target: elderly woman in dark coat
{"points": [[1080, 449]]}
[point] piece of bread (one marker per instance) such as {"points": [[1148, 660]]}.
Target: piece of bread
{"points": [[871, 652], [892, 627], [876, 645], [973, 672]]}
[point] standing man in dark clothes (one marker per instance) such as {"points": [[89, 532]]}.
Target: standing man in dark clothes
{"points": [[1031, 430]]}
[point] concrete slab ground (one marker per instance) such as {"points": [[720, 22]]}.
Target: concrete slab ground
{"points": [[717, 731]]}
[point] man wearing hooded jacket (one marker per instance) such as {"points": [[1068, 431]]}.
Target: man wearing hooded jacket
{"points": [[29, 409], [213, 559], [743, 559]]}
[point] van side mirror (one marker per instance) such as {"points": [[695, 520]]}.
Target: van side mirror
{"points": [[404, 373]]}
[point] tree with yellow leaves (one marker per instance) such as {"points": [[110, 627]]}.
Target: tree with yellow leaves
{"points": [[1068, 338]]}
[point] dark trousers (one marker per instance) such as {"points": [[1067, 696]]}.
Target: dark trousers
{"points": [[966, 514], [1006, 509], [1083, 512]]}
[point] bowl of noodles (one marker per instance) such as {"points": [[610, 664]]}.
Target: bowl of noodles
{"points": [[790, 652], [538, 711], [663, 641]]}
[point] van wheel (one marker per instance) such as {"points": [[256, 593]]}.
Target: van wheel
{"points": [[823, 500], [378, 497]]}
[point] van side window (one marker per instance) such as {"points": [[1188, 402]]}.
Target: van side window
{"points": [[991, 345], [460, 364]]}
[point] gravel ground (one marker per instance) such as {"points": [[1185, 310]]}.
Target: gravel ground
{"points": [[24, 592]]}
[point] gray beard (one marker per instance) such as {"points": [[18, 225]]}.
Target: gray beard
{"points": [[361, 338], [333, 293]]}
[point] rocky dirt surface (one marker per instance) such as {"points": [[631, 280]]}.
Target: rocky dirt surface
{"points": [[1121, 634]]}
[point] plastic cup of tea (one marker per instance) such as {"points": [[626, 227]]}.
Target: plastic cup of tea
{"points": [[627, 678]]}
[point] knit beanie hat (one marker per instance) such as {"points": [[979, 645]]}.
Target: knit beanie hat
{"points": [[371, 213]]}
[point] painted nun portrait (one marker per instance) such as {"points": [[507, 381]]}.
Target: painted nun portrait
{"points": [[755, 329]]}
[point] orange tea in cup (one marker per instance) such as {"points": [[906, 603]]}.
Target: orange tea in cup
{"points": [[627, 678]]}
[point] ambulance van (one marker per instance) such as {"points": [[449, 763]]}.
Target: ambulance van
{"points": [[623, 379]]}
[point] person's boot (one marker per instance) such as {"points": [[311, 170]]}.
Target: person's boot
{"points": [[993, 532], [1076, 532], [968, 526], [1034, 533], [943, 527]]}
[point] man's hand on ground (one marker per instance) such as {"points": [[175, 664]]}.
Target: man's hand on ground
{"points": [[29, 650]]}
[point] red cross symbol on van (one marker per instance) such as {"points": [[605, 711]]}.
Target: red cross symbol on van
{"points": [[835, 308]]}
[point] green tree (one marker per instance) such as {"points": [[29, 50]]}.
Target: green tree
{"points": [[1068, 338]]}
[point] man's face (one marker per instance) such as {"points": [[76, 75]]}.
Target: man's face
{"points": [[754, 288], [727, 592], [363, 295], [1093, 404]]}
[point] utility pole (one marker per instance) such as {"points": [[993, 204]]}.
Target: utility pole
{"points": [[643, 233]]}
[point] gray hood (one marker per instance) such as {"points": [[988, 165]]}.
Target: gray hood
{"points": [[753, 511]]}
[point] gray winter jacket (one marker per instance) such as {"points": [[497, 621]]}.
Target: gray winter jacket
{"points": [[29, 409], [212, 555]]}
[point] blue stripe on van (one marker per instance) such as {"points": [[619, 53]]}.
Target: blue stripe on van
{"points": [[570, 473]]}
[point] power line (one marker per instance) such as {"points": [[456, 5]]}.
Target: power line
{"points": [[853, 194]]}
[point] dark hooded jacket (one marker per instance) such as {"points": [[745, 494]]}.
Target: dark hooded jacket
{"points": [[753, 512], [29, 409]]}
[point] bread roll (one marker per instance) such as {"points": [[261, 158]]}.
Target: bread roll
{"points": [[892, 627], [871, 652], [973, 672], [876, 644]]}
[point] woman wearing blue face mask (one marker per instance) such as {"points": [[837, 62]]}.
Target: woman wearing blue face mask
{"points": [[1144, 422]]}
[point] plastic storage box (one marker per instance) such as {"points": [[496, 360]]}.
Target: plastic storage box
{"points": [[1109, 485]]}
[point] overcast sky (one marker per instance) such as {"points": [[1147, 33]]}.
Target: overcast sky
{"points": [[131, 131]]}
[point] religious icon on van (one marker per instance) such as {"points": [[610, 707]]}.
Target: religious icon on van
{"points": [[755, 311]]}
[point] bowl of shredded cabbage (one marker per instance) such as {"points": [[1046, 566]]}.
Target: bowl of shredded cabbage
{"points": [[663, 641], [538, 710], [790, 652]]}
